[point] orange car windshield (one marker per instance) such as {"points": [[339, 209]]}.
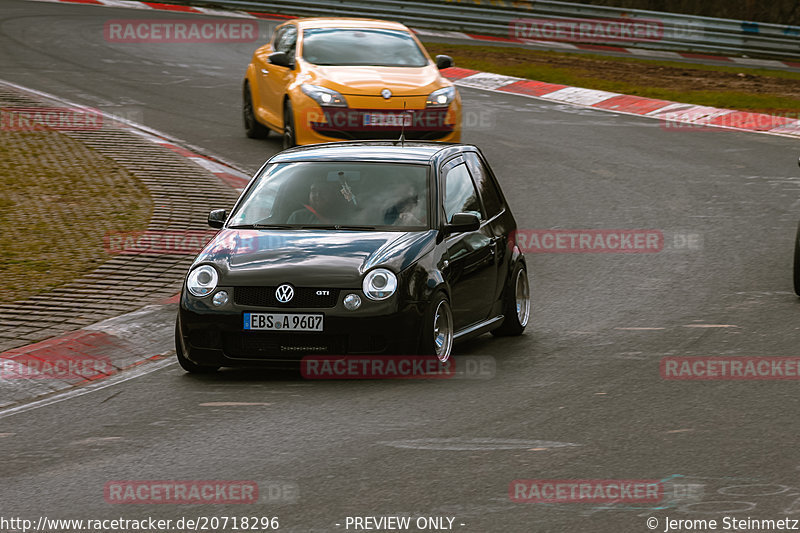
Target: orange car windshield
{"points": [[361, 47]]}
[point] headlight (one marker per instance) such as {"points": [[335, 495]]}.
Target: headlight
{"points": [[323, 96], [379, 284], [441, 98], [202, 280]]}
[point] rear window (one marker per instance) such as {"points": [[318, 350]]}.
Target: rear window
{"points": [[369, 47]]}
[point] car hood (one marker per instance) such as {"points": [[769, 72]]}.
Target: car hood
{"points": [[369, 81], [314, 258]]}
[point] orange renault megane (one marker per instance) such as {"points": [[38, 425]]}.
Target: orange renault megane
{"points": [[329, 79]]}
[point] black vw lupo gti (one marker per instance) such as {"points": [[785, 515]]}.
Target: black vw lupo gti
{"points": [[355, 248]]}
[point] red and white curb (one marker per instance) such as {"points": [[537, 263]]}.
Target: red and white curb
{"points": [[102, 350], [644, 52], [672, 114], [224, 170], [233, 177], [87, 357]]}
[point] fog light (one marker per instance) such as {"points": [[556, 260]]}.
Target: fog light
{"points": [[221, 298], [352, 302]]}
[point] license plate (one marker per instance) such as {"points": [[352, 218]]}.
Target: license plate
{"points": [[283, 321], [387, 119]]}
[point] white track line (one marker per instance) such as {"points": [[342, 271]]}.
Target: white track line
{"points": [[465, 82], [140, 129], [116, 379]]}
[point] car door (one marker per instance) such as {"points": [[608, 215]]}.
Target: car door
{"points": [[471, 256], [274, 79], [499, 222]]}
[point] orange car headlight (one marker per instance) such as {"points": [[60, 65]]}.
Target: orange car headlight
{"points": [[324, 96], [441, 98]]}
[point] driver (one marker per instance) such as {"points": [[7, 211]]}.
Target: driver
{"points": [[324, 202]]}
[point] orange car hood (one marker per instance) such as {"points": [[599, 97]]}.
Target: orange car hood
{"points": [[369, 81]]}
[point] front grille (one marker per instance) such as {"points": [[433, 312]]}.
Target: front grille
{"points": [[303, 297], [261, 344]]}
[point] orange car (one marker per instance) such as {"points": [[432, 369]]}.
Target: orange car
{"points": [[330, 79]]}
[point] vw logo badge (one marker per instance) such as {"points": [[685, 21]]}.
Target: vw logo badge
{"points": [[386, 93], [284, 293]]}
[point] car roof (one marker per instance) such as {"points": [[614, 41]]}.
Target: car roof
{"points": [[347, 22], [383, 151]]}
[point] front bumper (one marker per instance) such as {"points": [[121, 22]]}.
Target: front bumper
{"points": [[315, 124], [216, 336]]}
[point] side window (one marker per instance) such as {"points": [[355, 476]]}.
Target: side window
{"points": [[276, 37], [286, 40], [460, 195], [486, 186]]}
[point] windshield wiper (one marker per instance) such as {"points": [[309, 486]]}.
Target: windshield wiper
{"points": [[262, 226], [339, 226]]}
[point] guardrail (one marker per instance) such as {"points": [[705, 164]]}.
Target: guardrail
{"points": [[549, 20]]}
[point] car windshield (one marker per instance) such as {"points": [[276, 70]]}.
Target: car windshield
{"points": [[370, 47], [337, 195]]}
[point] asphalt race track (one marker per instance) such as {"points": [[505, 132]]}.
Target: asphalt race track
{"points": [[579, 396]]}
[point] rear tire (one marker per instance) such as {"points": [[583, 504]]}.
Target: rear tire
{"points": [[252, 127], [192, 368], [437, 330], [289, 137], [517, 304]]}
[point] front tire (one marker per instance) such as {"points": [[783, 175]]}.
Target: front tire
{"points": [[192, 368], [252, 127], [517, 304], [437, 331], [289, 136]]}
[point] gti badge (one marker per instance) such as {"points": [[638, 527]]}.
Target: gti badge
{"points": [[386, 93], [284, 293]]}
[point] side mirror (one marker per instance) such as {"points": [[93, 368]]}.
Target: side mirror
{"points": [[280, 59], [462, 222], [443, 62], [217, 218]]}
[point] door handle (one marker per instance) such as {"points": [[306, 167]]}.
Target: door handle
{"points": [[265, 72]]}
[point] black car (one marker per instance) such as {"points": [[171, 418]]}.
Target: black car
{"points": [[349, 248]]}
